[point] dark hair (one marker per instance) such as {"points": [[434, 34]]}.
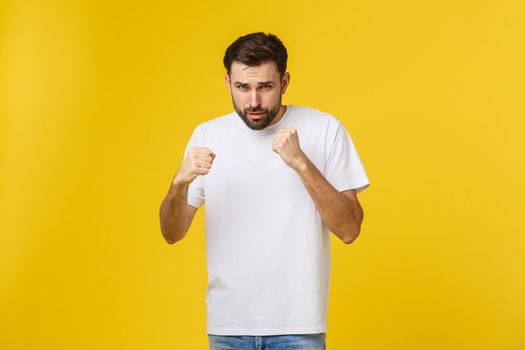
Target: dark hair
{"points": [[256, 48]]}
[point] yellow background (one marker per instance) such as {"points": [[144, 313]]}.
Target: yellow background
{"points": [[98, 100]]}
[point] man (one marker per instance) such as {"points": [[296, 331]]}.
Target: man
{"points": [[276, 179]]}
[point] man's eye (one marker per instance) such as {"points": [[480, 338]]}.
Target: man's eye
{"points": [[266, 87]]}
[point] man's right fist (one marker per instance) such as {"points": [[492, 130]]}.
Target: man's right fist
{"points": [[198, 162]]}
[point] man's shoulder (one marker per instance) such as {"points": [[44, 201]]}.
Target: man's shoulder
{"points": [[313, 115], [215, 122]]}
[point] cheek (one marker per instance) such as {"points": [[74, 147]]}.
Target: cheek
{"points": [[276, 93], [238, 98], [271, 96]]}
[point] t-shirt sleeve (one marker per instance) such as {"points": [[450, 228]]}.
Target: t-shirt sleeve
{"points": [[344, 169], [196, 188]]}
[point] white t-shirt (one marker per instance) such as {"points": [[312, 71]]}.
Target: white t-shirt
{"points": [[267, 248]]}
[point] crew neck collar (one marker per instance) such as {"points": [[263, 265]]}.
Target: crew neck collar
{"points": [[269, 129]]}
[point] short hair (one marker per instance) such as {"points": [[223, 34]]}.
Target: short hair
{"points": [[256, 48]]}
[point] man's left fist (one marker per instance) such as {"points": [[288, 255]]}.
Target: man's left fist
{"points": [[286, 144]]}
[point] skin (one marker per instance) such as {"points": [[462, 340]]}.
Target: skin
{"points": [[254, 89], [341, 211], [257, 89]]}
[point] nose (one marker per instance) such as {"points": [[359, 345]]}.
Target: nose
{"points": [[255, 99]]}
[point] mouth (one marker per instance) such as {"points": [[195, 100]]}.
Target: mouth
{"points": [[256, 116]]}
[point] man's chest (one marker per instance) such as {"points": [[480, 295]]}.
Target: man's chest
{"points": [[248, 168]]}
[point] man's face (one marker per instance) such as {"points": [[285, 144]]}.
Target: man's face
{"points": [[256, 92]]}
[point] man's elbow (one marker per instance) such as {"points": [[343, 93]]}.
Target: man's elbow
{"points": [[349, 238], [353, 232], [171, 239]]}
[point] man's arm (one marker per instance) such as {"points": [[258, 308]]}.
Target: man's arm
{"points": [[175, 213], [340, 211]]}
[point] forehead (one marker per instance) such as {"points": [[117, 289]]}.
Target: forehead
{"points": [[266, 71]]}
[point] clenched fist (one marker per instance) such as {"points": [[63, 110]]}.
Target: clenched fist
{"points": [[198, 162], [286, 144]]}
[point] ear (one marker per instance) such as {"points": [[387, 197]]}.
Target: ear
{"points": [[285, 81], [227, 80]]}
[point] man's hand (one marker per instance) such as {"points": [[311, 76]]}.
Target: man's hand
{"points": [[286, 144], [198, 162]]}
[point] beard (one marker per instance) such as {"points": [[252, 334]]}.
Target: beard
{"points": [[269, 115]]}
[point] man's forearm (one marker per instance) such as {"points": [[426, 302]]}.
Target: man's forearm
{"points": [[342, 215], [173, 220]]}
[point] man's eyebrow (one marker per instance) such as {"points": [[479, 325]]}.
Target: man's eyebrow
{"points": [[259, 83]]}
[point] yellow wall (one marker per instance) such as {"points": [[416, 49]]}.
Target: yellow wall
{"points": [[98, 101]]}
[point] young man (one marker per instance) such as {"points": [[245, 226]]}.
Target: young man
{"points": [[276, 180]]}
